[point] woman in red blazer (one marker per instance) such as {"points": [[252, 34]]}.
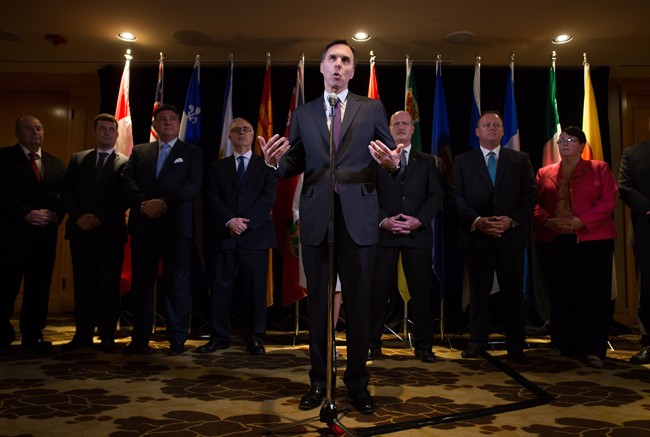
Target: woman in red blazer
{"points": [[575, 237]]}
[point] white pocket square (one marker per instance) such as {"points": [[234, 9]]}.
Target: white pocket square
{"points": [[178, 160]]}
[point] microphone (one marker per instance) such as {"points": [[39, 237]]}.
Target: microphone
{"points": [[333, 99]]}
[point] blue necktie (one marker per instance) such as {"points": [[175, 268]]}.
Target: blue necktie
{"points": [[162, 155], [492, 166], [241, 168]]}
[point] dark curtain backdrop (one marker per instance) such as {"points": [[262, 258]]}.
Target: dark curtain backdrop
{"points": [[530, 93]]}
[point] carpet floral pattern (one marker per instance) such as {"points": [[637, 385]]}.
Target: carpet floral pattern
{"points": [[231, 393]]}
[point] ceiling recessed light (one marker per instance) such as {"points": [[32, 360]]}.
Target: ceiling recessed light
{"points": [[126, 36], [562, 39], [361, 36], [460, 37]]}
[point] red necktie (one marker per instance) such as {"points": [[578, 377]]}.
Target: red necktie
{"points": [[35, 169]]}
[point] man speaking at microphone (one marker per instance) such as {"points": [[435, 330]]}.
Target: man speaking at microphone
{"points": [[358, 124]]}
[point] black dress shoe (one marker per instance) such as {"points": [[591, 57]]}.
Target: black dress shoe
{"points": [[518, 357], [175, 348], [642, 357], [212, 346], [107, 345], [137, 349], [75, 345], [39, 346], [426, 355], [313, 398], [362, 401], [374, 352], [471, 352], [256, 347]]}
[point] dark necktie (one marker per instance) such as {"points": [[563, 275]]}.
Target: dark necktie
{"points": [[35, 169], [100, 164], [241, 168], [336, 124], [492, 166], [162, 155], [403, 161]]}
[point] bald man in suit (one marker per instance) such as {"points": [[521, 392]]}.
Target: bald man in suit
{"points": [[30, 212], [494, 212]]}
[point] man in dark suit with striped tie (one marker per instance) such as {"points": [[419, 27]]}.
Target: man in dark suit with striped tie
{"points": [[161, 179], [30, 212], [240, 195], [96, 228]]}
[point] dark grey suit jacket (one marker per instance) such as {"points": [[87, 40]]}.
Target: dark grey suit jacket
{"points": [[364, 121], [513, 194], [634, 189], [83, 194], [21, 192], [253, 199], [179, 181], [415, 192]]}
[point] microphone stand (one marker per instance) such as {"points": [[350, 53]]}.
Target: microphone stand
{"points": [[328, 412]]}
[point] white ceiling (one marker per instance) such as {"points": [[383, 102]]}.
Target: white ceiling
{"points": [[614, 33]]}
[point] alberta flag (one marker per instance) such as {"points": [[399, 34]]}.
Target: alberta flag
{"points": [[191, 121], [440, 149], [226, 145]]}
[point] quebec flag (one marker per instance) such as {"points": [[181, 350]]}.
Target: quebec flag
{"points": [[191, 121]]}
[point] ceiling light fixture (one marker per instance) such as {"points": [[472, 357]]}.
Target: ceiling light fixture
{"points": [[562, 39], [361, 36], [126, 36]]}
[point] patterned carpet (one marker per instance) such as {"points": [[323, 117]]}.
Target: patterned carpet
{"points": [[229, 393]]}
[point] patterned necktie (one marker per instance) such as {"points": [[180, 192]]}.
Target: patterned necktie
{"points": [[403, 161], [336, 124], [35, 169], [100, 164], [241, 168], [162, 155], [492, 166]]}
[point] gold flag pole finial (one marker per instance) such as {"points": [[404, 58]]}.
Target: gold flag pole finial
{"points": [[553, 58], [439, 57], [127, 55], [511, 56], [231, 57], [584, 59], [372, 56], [162, 56]]}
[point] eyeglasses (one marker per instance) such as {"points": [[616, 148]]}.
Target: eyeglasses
{"points": [[568, 141], [241, 129]]}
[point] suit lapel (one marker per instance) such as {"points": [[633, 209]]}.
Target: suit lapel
{"points": [[232, 170], [481, 167], [352, 107], [320, 120]]}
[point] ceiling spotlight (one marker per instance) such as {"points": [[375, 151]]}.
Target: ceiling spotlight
{"points": [[126, 36], [562, 39], [361, 36]]}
